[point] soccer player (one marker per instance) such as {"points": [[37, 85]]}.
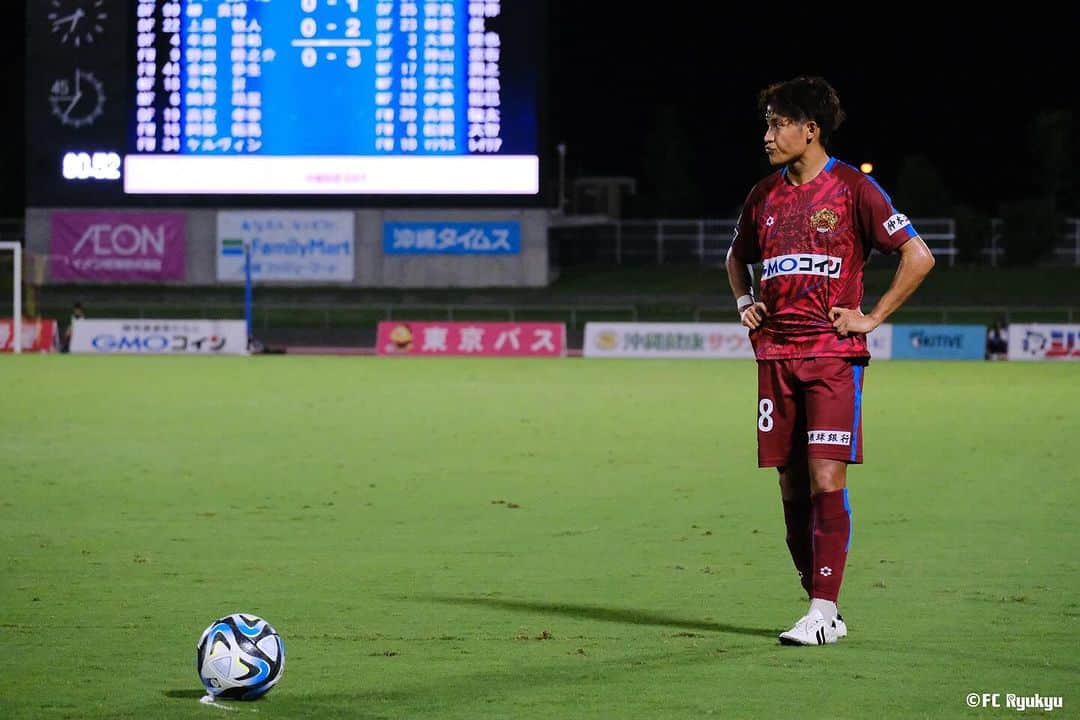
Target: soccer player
{"points": [[812, 225]]}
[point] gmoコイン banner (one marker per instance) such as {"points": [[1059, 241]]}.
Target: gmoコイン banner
{"points": [[159, 337], [286, 246]]}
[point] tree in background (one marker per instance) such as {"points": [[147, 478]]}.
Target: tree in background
{"points": [[1032, 223], [1029, 228], [921, 190], [670, 164], [1050, 139], [972, 233]]}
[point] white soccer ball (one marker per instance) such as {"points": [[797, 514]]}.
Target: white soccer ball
{"points": [[240, 657]]}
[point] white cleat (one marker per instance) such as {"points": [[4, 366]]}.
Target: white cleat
{"points": [[814, 629]]}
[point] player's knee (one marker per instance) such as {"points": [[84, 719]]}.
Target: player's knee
{"points": [[827, 475], [794, 482]]}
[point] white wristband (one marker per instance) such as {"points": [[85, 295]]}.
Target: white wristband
{"points": [[744, 302]]}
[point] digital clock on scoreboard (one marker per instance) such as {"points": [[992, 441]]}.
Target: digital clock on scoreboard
{"points": [[131, 101]]}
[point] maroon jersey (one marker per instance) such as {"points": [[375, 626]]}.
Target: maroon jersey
{"points": [[812, 241]]}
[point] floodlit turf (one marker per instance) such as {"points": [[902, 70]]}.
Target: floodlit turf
{"points": [[523, 539]]}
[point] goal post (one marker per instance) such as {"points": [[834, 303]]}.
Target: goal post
{"points": [[16, 312]]}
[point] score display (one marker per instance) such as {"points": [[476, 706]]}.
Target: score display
{"points": [[249, 98]]}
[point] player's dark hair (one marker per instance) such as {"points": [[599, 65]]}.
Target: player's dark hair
{"points": [[805, 98]]}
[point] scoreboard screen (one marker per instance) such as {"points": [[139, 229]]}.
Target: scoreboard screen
{"points": [[132, 101]]}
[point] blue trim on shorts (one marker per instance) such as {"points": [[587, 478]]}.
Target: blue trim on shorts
{"points": [[856, 375]]}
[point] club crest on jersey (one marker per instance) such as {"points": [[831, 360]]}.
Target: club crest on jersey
{"points": [[896, 222], [824, 220], [801, 264]]}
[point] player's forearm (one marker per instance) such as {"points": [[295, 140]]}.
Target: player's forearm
{"points": [[739, 277], [916, 261]]}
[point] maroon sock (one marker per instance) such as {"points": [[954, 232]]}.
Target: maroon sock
{"points": [[800, 538], [832, 536]]}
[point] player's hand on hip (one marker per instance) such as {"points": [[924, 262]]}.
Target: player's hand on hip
{"points": [[754, 316], [851, 322]]}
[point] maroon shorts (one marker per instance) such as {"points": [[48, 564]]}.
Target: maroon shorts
{"points": [[810, 407]]}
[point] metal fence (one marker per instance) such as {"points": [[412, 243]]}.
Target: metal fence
{"points": [[1070, 246], [706, 241], [1067, 249]]}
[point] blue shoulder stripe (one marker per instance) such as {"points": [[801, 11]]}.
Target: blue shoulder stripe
{"points": [[872, 182]]}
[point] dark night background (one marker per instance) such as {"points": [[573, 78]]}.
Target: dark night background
{"points": [[974, 113], [963, 95]]}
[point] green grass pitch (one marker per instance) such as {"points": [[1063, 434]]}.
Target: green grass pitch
{"points": [[523, 539]]}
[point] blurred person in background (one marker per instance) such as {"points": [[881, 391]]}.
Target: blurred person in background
{"points": [[812, 225], [76, 314], [997, 341]]}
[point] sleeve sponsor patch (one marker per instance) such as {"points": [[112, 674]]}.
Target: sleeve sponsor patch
{"points": [[828, 437], [896, 222]]}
